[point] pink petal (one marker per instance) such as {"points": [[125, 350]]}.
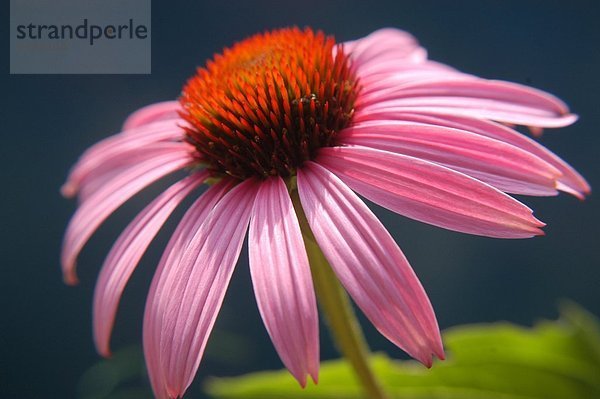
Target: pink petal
{"points": [[97, 208], [430, 193], [499, 164], [386, 85], [95, 159], [127, 252], [388, 68], [369, 263], [189, 292], [191, 221], [570, 181], [477, 98], [153, 113], [115, 167], [282, 280], [383, 45]]}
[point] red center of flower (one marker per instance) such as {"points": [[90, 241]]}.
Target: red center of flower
{"points": [[266, 105]]}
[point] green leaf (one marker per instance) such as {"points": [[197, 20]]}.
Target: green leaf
{"points": [[116, 378], [553, 360]]}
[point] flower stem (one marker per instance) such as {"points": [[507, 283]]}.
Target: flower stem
{"points": [[341, 319]]}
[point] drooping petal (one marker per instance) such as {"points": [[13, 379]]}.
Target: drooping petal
{"points": [[386, 44], [117, 146], [98, 207], [152, 113], [570, 181], [127, 252], [189, 293], [120, 164], [477, 98], [191, 221], [369, 263], [495, 162], [282, 280], [430, 193]]}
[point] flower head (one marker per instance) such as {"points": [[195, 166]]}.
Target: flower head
{"points": [[292, 112]]}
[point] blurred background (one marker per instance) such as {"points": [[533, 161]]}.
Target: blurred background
{"points": [[47, 121]]}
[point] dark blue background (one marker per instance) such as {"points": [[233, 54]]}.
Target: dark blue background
{"points": [[47, 121]]}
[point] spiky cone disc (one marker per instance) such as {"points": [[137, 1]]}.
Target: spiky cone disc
{"points": [[267, 104]]}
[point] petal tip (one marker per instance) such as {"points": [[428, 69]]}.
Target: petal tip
{"points": [[573, 117], [315, 377], [440, 354], [537, 223], [105, 352], [101, 343], [584, 193], [69, 268], [173, 393], [438, 349], [70, 278], [427, 361], [536, 131], [302, 380], [68, 190], [303, 377], [564, 120], [579, 191], [540, 233]]}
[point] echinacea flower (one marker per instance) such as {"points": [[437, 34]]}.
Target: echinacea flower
{"points": [[291, 114]]}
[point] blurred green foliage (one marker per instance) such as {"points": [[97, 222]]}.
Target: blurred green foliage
{"points": [[553, 360], [123, 376]]}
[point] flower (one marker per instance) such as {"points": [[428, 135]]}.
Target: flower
{"points": [[290, 112]]}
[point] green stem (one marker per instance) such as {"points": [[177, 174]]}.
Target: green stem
{"points": [[343, 324]]}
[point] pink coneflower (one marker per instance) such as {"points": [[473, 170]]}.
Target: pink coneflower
{"points": [[285, 128]]}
